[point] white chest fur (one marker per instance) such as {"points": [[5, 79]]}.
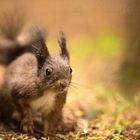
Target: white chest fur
{"points": [[45, 103]]}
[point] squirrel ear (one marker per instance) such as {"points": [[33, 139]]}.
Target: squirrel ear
{"points": [[63, 45], [39, 48]]}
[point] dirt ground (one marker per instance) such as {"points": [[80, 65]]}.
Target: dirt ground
{"points": [[104, 126]]}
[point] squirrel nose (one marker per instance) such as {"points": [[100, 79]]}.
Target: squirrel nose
{"points": [[63, 83]]}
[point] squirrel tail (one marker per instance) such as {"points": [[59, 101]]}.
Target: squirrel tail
{"points": [[11, 25]]}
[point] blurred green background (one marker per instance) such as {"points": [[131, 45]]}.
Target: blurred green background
{"points": [[103, 39]]}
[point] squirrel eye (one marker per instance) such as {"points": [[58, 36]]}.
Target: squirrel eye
{"points": [[70, 70], [48, 71]]}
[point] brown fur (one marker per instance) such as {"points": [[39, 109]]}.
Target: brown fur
{"points": [[36, 77]]}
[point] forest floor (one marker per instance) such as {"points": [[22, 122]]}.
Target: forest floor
{"points": [[122, 123]]}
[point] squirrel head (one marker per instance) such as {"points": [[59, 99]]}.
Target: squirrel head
{"points": [[54, 71]]}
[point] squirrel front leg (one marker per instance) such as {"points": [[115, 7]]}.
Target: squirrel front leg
{"points": [[55, 117], [51, 121], [22, 97], [25, 111]]}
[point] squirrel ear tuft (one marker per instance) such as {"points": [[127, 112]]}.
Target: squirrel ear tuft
{"points": [[39, 47], [63, 45]]}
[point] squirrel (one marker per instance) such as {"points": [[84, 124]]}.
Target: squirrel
{"points": [[37, 81]]}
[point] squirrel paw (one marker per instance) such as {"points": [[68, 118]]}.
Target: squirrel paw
{"points": [[65, 127], [27, 127]]}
